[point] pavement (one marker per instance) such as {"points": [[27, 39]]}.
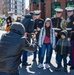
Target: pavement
{"points": [[33, 70]]}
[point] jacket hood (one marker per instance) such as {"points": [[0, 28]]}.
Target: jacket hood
{"points": [[65, 33], [47, 20], [18, 28]]}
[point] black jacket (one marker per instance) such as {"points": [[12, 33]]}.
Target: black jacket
{"points": [[63, 47], [11, 45], [28, 23], [10, 20]]}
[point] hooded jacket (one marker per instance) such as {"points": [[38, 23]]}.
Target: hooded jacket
{"points": [[43, 33], [63, 46], [11, 46]]}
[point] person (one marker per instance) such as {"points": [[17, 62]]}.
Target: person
{"points": [[56, 24], [70, 29], [9, 21], [18, 18], [45, 41], [28, 23], [62, 50], [11, 46], [38, 25]]}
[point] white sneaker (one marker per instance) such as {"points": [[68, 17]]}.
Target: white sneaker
{"points": [[47, 66], [40, 65]]}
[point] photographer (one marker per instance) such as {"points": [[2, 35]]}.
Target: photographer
{"points": [[11, 46]]}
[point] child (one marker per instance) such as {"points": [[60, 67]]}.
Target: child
{"points": [[45, 43], [62, 50]]}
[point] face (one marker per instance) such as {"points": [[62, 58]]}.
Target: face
{"points": [[19, 18], [47, 24], [63, 37], [70, 13], [58, 14], [34, 17], [10, 15], [37, 16]]}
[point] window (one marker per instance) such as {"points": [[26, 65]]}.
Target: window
{"points": [[2, 2], [68, 4], [53, 6]]}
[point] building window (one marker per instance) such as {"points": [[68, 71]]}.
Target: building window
{"points": [[53, 6], [8, 0], [69, 4], [2, 2]]}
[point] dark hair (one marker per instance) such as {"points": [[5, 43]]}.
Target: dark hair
{"points": [[47, 31]]}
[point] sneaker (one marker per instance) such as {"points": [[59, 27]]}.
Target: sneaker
{"points": [[47, 65], [40, 65]]}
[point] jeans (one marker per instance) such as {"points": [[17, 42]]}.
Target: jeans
{"points": [[39, 53], [4, 73], [24, 58], [59, 61], [48, 49]]}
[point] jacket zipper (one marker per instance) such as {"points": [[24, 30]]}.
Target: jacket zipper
{"points": [[62, 47]]}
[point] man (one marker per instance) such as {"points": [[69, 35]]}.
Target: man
{"points": [[56, 24], [70, 28], [38, 25], [28, 23], [18, 18], [9, 21], [11, 46]]}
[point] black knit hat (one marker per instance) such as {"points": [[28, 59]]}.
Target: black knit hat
{"points": [[64, 32], [18, 28]]}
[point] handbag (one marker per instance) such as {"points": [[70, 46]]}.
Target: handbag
{"points": [[30, 47]]}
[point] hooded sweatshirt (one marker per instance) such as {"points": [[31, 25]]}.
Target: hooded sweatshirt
{"points": [[44, 36]]}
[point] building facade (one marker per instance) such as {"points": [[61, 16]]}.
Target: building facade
{"points": [[47, 6], [16, 6], [1, 7]]}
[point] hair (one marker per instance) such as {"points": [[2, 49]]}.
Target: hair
{"points": [[48, 29]]}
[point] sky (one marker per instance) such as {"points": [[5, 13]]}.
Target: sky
{"points": [[27, 3]]}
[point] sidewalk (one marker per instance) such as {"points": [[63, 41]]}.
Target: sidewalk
{"points": [[33, 70]]}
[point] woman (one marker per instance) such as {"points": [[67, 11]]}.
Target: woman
{"points": [[45, 43]]}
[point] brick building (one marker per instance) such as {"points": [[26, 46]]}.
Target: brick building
{"points": [[47, 6], [16, 6], [1, 7]]}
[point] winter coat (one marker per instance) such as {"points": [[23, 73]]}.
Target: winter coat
{"points": [[63, 47], [11, 46]]}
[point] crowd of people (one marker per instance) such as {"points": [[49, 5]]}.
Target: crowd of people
{"points": [[50, 34]]}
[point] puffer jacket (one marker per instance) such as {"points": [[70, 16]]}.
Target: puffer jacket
{"points": [[11, 45], [63, 46]]}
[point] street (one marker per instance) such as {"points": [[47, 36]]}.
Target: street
{"points": [[33, 70]]}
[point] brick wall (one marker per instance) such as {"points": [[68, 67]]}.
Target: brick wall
{"points": [[47, 10], [42, 8]]}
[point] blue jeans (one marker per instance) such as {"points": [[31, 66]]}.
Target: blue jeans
{"points": [[39, 53], [59, 61], [24, 58], [4, 73], [48, 49]]}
